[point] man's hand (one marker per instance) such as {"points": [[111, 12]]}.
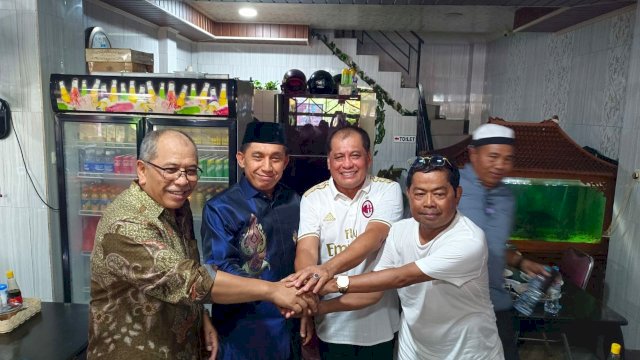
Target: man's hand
{"points": [[210, 336], [312, 277], [533, 268], [287, 299], [307, 329]]}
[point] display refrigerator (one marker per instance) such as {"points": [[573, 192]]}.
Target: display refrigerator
{"points": [[100, 122]]}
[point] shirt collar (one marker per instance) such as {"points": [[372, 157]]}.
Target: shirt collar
{"points": [[147, 205], [250, 192], [366, 187]]}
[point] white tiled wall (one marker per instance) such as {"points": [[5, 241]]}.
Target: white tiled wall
{"points": [[579, 75], [622, 282]]}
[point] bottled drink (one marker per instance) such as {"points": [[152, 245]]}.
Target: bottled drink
{"points": [[536, 289], [75, 92], [3, 295], [171, 93], [161, 91], [182, 97], [64, 94], [614, 354], [113, 94], [552, 305], [83, 88], [192, 92], [122, 96], [223, 95], [14, 296], [203, 95], [133, 98], [151, 91]]}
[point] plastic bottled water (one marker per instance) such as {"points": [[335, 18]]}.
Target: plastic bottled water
{"points": [[528, 299]]}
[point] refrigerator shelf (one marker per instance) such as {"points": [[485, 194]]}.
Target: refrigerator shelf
{"points": [[90, 213], [107, 176], [213, 148], [106, 145], [214, 180]]}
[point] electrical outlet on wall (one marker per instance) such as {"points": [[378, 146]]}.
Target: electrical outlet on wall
{"points": [[636, 175]]}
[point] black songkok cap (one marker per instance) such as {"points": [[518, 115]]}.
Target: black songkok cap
{"points": [[264, 132]]}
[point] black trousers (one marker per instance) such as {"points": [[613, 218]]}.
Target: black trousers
{"points": [[382, 351], [507, 323]]}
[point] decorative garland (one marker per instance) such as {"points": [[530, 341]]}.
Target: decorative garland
{"points": [[382, 96]]}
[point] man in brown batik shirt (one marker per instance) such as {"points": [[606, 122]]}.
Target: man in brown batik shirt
{"points": [[147, 284]]}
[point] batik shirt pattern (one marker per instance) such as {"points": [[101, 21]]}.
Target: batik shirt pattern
{"points": [[147, 285]]}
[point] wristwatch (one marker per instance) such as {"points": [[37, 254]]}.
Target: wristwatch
{"points": [[343, 283]]}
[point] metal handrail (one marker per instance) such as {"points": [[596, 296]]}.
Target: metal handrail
{"points": [[424, 138]]}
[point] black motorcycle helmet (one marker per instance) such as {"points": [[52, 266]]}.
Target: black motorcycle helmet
{"points": [[320, 82], [337, 80], [294, 82]]}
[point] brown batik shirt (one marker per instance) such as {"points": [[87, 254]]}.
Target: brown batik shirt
{"points": [[147, 284]]}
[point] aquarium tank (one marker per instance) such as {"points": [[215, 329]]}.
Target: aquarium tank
{"points": [[557, 210]]}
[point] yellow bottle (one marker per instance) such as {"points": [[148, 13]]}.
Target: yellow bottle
{"points": [[222, 100], [113, 92], [94, 93], [181, 98], [133, 98], [151, 92], [64, 94], [203, 95]]}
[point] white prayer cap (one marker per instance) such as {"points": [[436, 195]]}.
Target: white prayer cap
{"points": [[492, 134]]}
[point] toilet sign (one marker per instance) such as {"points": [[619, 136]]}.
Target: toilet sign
{"points": [[404, 138]]}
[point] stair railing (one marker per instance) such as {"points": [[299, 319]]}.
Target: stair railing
{"points": [[424, 139], [403, 55]]}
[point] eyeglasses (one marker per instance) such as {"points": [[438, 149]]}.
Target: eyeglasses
{"points": [[435, 161], [173, 174]]}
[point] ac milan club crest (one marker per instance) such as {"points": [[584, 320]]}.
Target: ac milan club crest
{"points": [[367, 209]]}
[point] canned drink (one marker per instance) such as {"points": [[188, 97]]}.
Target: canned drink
{"points": [[225, 169], [219, 167], [203, 164], [211, 167]]}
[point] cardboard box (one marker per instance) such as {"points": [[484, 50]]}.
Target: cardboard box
{"points": [[118, 60]]}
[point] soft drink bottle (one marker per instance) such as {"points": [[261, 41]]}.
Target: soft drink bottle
{"points": [[122, 96], [181, 98], [151, 91], [161, 92], [133, 97], [113, 94], [64, 94], [14, 296], [223, 95], [192, 92], [75, 92], [203, 95], [171, 94], [83, 88]]}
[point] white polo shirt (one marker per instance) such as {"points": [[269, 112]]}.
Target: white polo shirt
{"points": [[337, 220], [451, 317]]}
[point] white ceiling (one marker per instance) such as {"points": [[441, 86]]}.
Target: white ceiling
{"points": [[419, 18]]}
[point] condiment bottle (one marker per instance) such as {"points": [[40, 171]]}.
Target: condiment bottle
{"points": [[14, 296]]}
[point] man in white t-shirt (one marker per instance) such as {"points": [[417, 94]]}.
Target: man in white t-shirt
{"points": [[343, 223], [438, 262]]}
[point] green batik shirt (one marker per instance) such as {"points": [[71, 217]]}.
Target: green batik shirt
{"points": [[147, 284]]}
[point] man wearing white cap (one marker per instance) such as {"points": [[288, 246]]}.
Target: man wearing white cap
{"points": [[488, 202]]}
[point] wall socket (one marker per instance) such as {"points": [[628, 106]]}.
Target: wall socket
{"points": [[636, 175]]}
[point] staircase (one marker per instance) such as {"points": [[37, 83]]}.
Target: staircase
{"points": [[396, 153]]}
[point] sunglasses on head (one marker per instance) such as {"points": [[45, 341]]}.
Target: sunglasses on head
{"points": [[434, 161]]}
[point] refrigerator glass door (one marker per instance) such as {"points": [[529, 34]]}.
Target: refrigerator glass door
{"points": [[99, 160]]}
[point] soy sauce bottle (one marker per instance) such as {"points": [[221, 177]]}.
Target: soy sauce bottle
{"points": [[14, 296]]}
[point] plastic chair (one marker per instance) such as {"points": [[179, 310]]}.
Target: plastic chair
{"points": [[576, 266]]}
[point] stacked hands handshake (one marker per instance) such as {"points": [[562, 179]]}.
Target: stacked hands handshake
{"points": [[301, 293]]}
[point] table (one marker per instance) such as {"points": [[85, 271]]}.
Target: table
{"points": [[582, 317], [59, 331]]}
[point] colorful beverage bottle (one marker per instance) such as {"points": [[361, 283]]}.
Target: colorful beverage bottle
{"points": [[203, 95], [113, 92], [133, 98], [182, 97], [64, 94], [192, 92], [95, 89], [103, 97], [161, 91], [122, 95], [14, 296], [151, 91], [213, 101], [171, 94], [223, 95], [75, 92], [83, 88]]}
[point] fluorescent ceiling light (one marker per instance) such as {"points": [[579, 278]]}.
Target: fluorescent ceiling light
{"points": [[247, 12]]}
